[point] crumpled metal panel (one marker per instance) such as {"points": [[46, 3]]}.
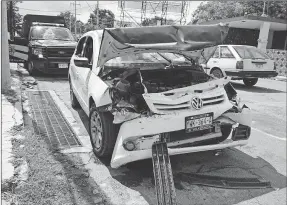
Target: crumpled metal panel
{"points": [[178, 39]]}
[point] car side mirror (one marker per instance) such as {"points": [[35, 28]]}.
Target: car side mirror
{"points": [[82, 62]]}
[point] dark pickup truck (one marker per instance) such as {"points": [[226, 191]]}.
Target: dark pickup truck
{"points": [[45, 45]]}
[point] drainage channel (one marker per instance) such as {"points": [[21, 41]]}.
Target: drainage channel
{"points": [[49, 123]]}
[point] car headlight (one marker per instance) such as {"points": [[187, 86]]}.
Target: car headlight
{"points": [[37, 51]]}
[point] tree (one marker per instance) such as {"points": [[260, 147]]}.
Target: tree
{"points": [[70, 22], [214, 10], [106, 20], [275, 9], [17, 18]]}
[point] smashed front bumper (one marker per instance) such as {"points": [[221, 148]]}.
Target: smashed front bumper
{"points": [[157, 124]]}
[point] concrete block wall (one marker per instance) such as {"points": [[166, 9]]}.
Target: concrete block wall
{"points": [[280, 58]]}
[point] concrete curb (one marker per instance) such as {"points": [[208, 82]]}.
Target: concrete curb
{"points": [[117, 193], [281, 78]]}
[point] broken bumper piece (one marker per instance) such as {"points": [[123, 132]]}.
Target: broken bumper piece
{"points": [[153, 127]]}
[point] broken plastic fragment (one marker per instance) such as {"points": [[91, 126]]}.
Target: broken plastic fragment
{"points": [[123, 116], [123, 103]]}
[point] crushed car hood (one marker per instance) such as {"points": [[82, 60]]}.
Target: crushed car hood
{"points": [[54, 43], [178, 39]]}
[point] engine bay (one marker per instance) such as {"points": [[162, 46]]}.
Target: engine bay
{"points": [[128, 85]]}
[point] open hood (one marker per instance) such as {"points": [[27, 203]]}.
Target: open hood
{"points": [[177, 39]]}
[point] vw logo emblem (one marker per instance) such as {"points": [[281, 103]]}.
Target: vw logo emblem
{"points": [[196, 103]]}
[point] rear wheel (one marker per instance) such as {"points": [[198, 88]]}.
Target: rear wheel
{"points": [[249, 82], [103, 133], [217, 73]]}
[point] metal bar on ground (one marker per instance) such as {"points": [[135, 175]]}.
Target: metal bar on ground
{"points": [[164, 185]]}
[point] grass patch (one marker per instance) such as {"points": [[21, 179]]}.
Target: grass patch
{"points": [[53, 178]]}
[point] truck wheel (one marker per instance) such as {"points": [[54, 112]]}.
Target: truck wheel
{"points": [[31, 69], [249, 82], [74, 101], [217, 73], [103, 133]]}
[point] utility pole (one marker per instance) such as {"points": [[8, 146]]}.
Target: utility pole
{"points": [[143, 11], [122, 15], [184, 9], [164, 12], [76, 19], [5, 65], [75, 23], [12, 26], [97, 13], [70, 22]]}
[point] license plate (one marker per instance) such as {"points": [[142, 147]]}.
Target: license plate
{"points": [[259, 65], [63, 65], [198, 122]]}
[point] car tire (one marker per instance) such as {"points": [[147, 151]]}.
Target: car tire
{"points": [[74, 101], [217, 73], [31, 69], [102, 131], [249, 82]]}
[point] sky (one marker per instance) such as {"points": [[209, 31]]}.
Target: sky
{"points": [[84, 8]]}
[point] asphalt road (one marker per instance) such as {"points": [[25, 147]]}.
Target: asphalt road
{"points": [[264, 156]]}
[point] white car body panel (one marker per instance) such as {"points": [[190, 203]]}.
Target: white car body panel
{"points": [[87, 85], [229, 64]]}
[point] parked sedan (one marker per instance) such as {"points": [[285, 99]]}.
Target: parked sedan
{"points": [[139, 86], [241, 62]]}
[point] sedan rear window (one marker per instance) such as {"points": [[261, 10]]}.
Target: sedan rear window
{"points": [[250, 52]]}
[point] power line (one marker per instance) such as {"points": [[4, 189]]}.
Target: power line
{"points": [[90, 6]]}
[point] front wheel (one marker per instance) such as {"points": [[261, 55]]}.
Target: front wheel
{"points": [[217, 73], [103, 133], [249, 82], [31, 69]]}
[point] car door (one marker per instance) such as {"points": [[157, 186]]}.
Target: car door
{"points": [[74, 71], [213, 61], [227, 60], [86, 72]]}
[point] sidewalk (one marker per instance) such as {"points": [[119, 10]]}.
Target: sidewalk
{"points": [[12, 120]]}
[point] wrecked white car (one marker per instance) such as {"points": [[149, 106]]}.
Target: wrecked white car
{"points": [[142, 85]]}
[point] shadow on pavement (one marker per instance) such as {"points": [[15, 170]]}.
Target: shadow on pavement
{"points": [[255, 89], [232, 163]]}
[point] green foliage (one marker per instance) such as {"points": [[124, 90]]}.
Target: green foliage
{"points": [[106, 20], [214, 10], [70, 22], [17, 17]]}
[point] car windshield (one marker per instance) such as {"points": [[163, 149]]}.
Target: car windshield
{"points": [[159, 59], [51, 33], [246, 52]]}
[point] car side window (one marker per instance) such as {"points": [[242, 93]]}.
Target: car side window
{"points": [[225, 52], [216, 53], [80, 47], [88, 50]]}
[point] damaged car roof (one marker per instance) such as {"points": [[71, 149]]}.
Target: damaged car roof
{"points": [[178, 39]]}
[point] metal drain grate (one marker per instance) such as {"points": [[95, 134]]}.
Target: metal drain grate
{"points": [[49, 122]]}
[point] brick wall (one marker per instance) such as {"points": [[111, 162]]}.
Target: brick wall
{"points": [[280, 58]]}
